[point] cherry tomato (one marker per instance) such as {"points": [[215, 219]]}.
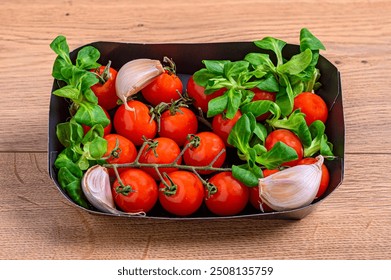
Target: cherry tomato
{"points": [[177, 125], [163, 88], [122, 152], [209, 147], [263, 95], [106, 93], [187, 196], [287, 137], [231, 196], [312, 105], [139, 192], [324, 181], [200, 99], [161, 150], [135, 124], [254, 193], [223, 126], [106, 129]]}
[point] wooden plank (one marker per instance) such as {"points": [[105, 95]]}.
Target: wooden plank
{"points": [[356, 33], [38, 223]]}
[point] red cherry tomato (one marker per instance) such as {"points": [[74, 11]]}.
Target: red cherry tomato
{"points": [[254, 193], [287, 137], [135, 124], [106, 129], [122, 152], [139, 192], [163, 88], [106, 93], [263, 95], [177, 125], [231, 196], [223, 126], [209, 146], [324, 181], [312, 105], [187, 196], [200, 99], [161, 150]]}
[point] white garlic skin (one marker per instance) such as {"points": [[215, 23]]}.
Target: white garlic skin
{"points": [[96, 187], [291, 188], [134, 76]]}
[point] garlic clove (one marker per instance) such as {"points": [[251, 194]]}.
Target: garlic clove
{"points": [[291, 188], [134, 76], [96, 187]]}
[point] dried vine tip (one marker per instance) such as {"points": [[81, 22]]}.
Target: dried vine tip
{"points": [[291, 188], [134, 76], [96, 187]]}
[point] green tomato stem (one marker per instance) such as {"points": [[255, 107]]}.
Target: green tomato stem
{"points": [[169, 187], [166, 165]]}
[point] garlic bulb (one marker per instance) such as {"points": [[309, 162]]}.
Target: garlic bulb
{"points": [[291, 188], [134, 76], [96, 187]]}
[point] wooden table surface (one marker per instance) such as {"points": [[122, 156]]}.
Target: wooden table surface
{"points": [[36, 222]]}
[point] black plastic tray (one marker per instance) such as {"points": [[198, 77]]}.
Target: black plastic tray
{"points": [[188, 59]]}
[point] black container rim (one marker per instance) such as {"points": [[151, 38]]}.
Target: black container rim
{"points": [[218, 47]]}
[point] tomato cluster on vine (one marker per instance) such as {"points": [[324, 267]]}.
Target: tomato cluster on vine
{"points": [[173, 136], [177, 157]]}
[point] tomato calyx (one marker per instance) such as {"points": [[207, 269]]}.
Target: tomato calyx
{"points": [[210, 188], [115, 153], [194, 140], [170, 187], [124, 190], [151, 145], [105, 75], [170, 66], [173, 107], [156, 112]]}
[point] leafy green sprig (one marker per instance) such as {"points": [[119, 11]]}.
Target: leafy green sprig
{"points": [[235, 77], [287, 78], [312, 137], [248, 136], [80, 151], [78, 81], [294, 76]]}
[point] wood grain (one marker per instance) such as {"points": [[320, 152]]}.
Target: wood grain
{"points": [[356, 34], [38, 223]]}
